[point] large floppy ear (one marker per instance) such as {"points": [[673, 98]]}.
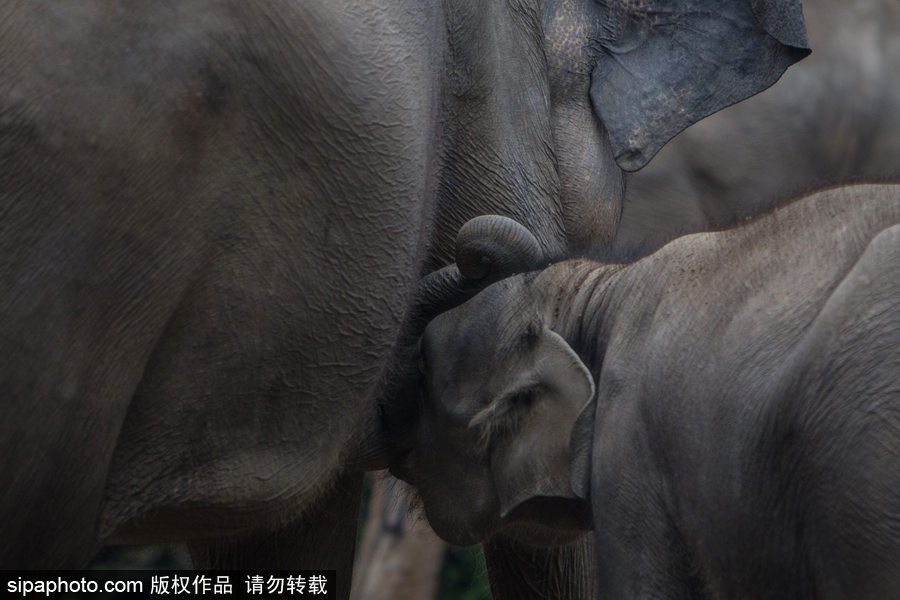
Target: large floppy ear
{"points": [[535, 459], [665, 64]]}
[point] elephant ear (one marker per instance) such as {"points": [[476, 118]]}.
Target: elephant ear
{"points": [[536, 460], [664, 65]]}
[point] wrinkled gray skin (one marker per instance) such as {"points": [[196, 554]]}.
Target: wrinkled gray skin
{"points": [[726, 411], [214, 216], [831, 119]]}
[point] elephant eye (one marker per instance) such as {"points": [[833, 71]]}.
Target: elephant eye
{"points": [[523, 398], [501, 419], [510, 408]]}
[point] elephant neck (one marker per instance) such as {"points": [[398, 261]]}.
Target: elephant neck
{"points": [[578, 299]]}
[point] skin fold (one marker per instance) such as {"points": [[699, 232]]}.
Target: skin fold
{"points": [[723, 414]]}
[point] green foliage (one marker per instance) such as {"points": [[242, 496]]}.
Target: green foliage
{"points": [[363, 514], [464, 576]]}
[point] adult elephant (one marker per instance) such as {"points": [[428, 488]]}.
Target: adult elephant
{"points": [[214, 216], [830, 120]]}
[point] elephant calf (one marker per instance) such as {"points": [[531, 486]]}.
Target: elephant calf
{"points": [[724, 414]]}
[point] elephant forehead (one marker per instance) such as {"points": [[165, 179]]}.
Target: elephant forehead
{"points": [[473, 349], [494, 310], [456, 330]]}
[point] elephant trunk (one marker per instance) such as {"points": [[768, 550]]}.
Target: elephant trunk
{"points": [[488, 248], [494, 246]]}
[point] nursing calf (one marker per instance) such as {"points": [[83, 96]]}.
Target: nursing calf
{"points": [[724, 414]]}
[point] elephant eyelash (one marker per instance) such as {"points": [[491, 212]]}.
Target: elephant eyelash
{"points": [[501, 417]]}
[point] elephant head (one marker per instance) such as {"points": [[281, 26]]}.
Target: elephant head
{"points": [[500, 443], [488, 248]]}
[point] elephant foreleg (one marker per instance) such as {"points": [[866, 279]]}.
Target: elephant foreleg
{"points": [[519, 572], [323, 539]]}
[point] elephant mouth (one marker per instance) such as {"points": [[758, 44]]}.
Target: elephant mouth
{"points": [[545, 521]]}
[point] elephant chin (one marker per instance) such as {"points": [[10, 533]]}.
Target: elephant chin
{"points": [[460, 527]]}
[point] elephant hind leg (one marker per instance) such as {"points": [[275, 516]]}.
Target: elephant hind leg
{"points": [[323, 539]]}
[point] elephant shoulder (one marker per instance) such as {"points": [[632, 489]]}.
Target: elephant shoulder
{"points": [[865, 305]]}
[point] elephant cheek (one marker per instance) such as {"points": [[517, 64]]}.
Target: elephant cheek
{"points": [[461, 518]]}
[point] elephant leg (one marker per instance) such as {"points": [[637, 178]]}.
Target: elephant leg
{"points": [[519, 572], [323, 539]]}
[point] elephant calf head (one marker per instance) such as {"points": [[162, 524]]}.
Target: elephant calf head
{"points": [[493, 448], [488, 248]]}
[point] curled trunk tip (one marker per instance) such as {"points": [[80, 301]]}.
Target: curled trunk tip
{"points": [[493, 246]]}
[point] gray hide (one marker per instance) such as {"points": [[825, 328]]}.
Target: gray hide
{"points": [[214, 216]]}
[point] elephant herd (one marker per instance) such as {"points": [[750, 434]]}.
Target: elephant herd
{"points": [[250, 250]]}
